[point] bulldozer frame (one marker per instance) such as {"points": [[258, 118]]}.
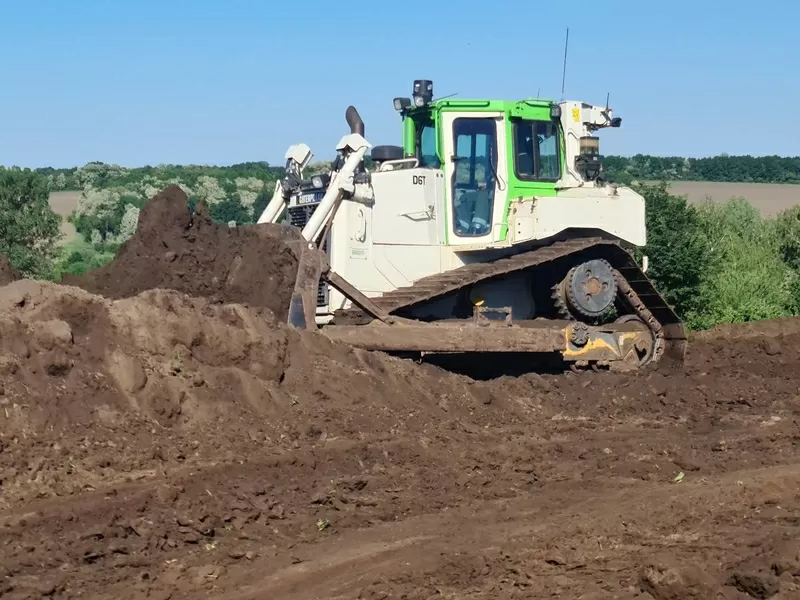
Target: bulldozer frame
{"points": [[570, 238]]}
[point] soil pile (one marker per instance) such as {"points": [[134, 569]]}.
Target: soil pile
{"points": [[176, 248], [170, 445], [164, 446], [7, 272], [129, 427]]}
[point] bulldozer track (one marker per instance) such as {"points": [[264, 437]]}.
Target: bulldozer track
{"points": [[633, 285]]}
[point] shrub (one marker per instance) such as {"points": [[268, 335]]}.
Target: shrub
{"points": [[29, 229]]}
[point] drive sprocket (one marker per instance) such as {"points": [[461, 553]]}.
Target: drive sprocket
{"points": [[588, 291]]}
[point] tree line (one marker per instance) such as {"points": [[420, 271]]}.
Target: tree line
{"points": [[723, 168], [72, 179], [623, 169]]}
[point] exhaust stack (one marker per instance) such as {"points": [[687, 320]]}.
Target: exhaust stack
{"points": [[354, 121]]}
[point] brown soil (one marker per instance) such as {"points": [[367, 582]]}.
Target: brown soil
{"points": [[176, 249], [172, 446], [7, 272]]}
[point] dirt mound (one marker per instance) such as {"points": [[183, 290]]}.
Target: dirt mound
{"points": [[164, 446], [103, 399], [7, 272], [174, 248], [159, 441]]}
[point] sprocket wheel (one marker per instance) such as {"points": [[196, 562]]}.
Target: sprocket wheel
{"points": [[560, 302], [588, 290]]}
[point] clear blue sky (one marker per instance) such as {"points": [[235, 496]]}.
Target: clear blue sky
{"points": [[138, 82]]}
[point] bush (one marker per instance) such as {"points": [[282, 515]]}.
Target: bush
{"points": [[230, 210], [746, 277], [79, 256], [29, 229], [722, 263], [677, 246], [787, 228]]}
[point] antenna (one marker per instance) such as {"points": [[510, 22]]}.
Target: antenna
{"points": [[564, 72], [448, 96], [608, 99]]}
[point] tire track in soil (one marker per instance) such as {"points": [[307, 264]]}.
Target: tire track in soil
{"points": [[578, 544]]}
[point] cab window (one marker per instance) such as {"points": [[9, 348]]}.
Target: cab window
{"points": [[536, 151], [475, 162], [426, 146]]}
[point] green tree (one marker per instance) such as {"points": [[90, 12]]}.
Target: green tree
{"points": [[228, 210], [677, 247], [29, 229]]}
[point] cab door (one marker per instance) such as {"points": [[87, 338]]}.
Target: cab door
{"points": [[474, 161]]}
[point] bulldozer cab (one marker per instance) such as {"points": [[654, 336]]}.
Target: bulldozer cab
{"points": [[489, 152]]}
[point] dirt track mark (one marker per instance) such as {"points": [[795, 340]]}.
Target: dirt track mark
{"points": [[607, 532]]}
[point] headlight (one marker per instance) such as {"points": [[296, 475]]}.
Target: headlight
{"points": [[316, 181]]}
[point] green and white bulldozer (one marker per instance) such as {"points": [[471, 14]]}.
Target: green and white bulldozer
{"points": [[490, 229]]}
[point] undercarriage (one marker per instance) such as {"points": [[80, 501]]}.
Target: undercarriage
{"points": [[589, 302]]}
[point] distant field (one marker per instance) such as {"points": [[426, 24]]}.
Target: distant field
{"points": [[63, 203], [769, 198]]}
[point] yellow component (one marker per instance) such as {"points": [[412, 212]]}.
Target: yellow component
{"points": [[603, 346], [576, 114]]}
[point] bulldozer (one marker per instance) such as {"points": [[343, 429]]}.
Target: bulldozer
{"points": [[492, 228]]}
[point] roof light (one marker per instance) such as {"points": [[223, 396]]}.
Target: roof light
{"points": [[401, 104], [423, 92]]}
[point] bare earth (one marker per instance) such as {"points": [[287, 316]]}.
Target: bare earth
{"points": [[165, 446], [769, 198], [63, 203]]}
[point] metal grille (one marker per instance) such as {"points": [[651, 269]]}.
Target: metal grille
{"points": [[298, 217]]}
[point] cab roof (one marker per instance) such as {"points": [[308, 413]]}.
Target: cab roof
{"points": [[530, 107]]}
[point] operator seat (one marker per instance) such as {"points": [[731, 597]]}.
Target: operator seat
{"points": [[474, 212], [524, 164], [463, 208]]}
